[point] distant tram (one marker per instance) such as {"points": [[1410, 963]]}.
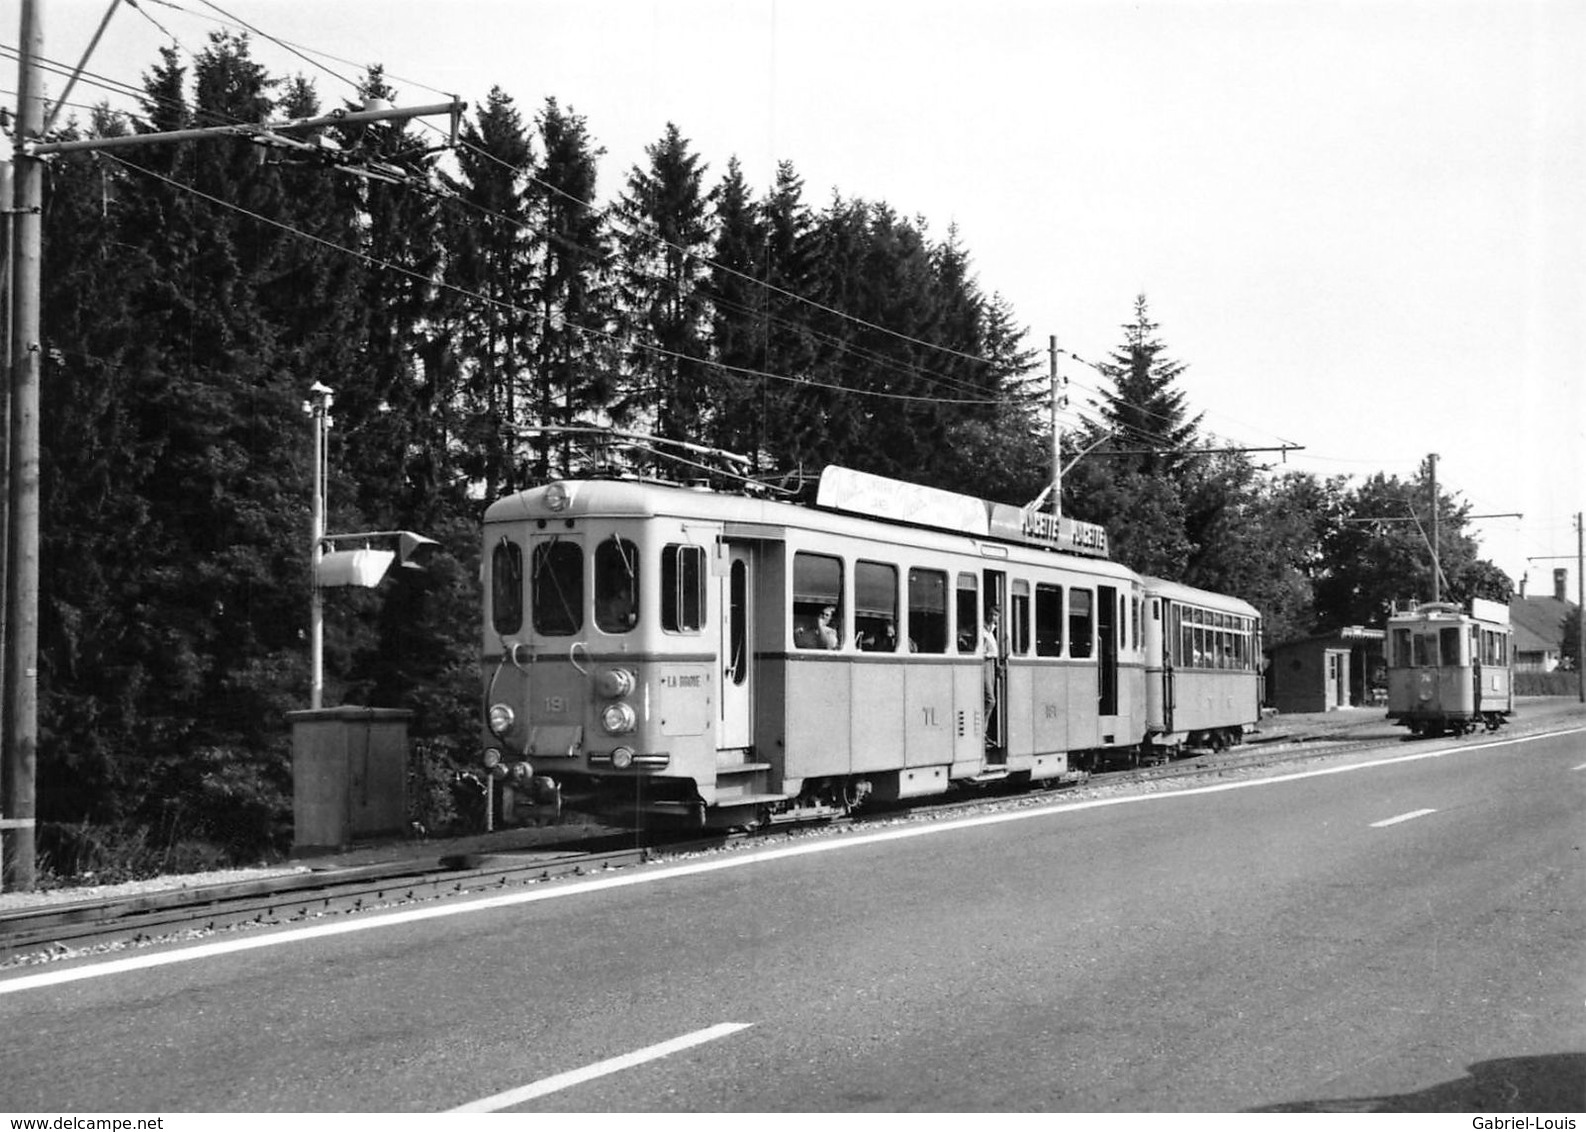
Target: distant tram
{"points": [[1449, 670], [657, 650]]}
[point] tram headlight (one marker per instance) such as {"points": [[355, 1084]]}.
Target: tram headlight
{"points": [[492, 757], [556, 497], [622, 758], [500, 718], [618, 719], [614, 683]]}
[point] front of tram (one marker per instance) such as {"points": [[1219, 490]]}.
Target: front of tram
{"points": [[568, 651]]}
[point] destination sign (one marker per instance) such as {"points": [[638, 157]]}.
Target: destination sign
{"points": [[1041, 528]]}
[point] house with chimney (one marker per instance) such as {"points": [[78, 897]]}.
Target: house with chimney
{"points": [[1539, 626]]}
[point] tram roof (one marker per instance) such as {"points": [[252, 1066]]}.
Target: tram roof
{"points": [[641, 498], [1177, 591], [1481, 609]]}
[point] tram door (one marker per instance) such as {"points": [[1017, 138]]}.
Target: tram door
{"points": [[1107, 639], [734, 730]]}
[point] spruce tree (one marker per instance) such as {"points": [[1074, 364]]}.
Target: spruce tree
{"points": [[1142, 409], [489, 266], [570, 295], [664, 213], [739, 298]]}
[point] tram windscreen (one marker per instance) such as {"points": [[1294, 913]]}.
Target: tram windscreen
{"points": [[558, 587], [616, 585]]}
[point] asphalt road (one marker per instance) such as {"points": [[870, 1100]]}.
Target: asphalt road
{"points": [[1406, 935]]}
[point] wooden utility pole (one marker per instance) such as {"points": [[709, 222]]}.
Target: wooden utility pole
{"points": [[22, 551], [1437, 566]]}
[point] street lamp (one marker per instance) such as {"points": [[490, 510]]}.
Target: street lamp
{"points": [[362, 566]]}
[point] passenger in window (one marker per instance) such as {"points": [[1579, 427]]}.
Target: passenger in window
{"points": [[884, 639], [825, 631]]}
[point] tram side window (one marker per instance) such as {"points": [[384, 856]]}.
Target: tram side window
{"points": [[927, 611], [1081, 622], [968, 610], [616, 585], [817, 590], [876, 606], [1450, 646], [682, 588], [1048, 620], [506, 587], [558, 585], [1019, 626]]}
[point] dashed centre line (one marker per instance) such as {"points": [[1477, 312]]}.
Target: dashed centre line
{"points": [[600, 1069], [1402, 817]]}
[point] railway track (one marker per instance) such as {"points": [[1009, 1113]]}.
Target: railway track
{"points": [[43, 934]]}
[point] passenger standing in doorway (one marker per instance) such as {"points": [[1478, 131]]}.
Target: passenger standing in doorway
{"points": [[991, 647]]}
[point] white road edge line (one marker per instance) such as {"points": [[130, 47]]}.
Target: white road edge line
{"points": [[1402, 817], [57, 976], [600, 1069]]}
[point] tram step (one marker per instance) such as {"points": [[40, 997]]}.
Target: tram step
{"points": [[741, 768], [725, 800]]}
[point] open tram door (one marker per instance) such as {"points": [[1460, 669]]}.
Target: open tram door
{"points": [[1108, 625], [735, 726]]}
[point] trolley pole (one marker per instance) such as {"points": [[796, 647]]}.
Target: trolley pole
{"points": [[1057, 429], [22, 552]]}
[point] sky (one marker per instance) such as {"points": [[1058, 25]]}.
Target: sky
{"points": [[1360, 225]]}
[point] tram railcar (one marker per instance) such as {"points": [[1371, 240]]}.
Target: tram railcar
{"points": [[657, 650], [1449, 670], [1202, 668]]}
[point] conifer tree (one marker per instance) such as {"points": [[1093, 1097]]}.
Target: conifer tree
{"points": [[1143, 409], [739, 298], [92, 656], [665, 237], [570, 290], [489, 266], [790, 344]]}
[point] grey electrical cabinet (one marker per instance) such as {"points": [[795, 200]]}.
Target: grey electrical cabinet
{"points": [[349, 775]]}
